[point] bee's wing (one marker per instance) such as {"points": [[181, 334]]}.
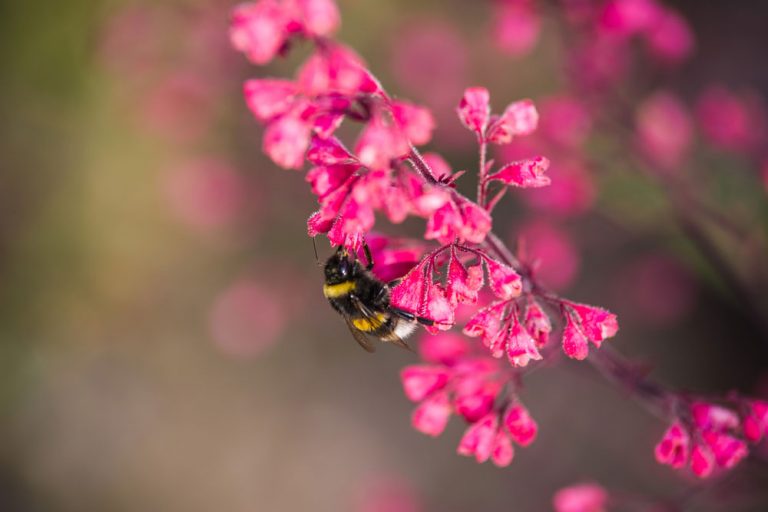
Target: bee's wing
{"points": [[369, 315], [360, 337]]}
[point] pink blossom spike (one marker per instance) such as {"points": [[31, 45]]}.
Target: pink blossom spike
{"points": [[286, 140], [755, 422], [520, 424], [524, 174], [268, 98], [503, 452], [416, 122], [420, 381], [474, 109], [597, 324], [319, 17], [519, 118], [537, 323], [479, 438], [504, 281], [670, 38], [259, 30], [702, 460], [581, 498], [575, 344], [674, 447], [521, 347], [328, 151], [432, 415]]}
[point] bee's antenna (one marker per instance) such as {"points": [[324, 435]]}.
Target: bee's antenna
{"points": [[314, 246]]}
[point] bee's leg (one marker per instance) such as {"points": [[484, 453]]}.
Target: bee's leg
{"points": [[410, 317], [395, 282], [368, 257]]}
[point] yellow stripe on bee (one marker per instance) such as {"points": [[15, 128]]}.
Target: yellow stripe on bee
{"points": [[334, 291], [369, 324]]}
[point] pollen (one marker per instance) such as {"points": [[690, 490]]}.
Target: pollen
{"points": [[334, 291]]}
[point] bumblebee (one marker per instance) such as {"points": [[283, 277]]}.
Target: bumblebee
{"points": [[363, 301]]}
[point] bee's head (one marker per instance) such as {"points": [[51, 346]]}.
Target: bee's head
{"points": [[339, 267]]}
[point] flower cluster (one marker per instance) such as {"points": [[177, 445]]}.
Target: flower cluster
{"points": [[478, 389], [381, 172], [709, 436]]}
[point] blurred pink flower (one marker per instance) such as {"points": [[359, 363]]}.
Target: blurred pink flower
{"points": [[565, 120], [550, 252], [179, 107], [430, 60], [629, 17], [387, 493], [730, 121], [517, 27], [206, 194], [246, 318], [585, 497], [670, 38], [664, 130], [656, 290], [571, 192]]}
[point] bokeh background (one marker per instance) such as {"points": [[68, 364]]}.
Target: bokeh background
{"points": [[164, 342]]}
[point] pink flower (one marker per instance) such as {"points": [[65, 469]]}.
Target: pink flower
{"points": [[521, 347], [445, 348], [581, 498], [755, 422], [520, 425], [709, 416], [486, 322], [475, 395], [416, 122], [336, 69], [503, 452], [670, 38], [259, 29], [421, 381], [537, 323], [597, 324], [519, 118], [729, 121], [462, 284], [474, 109], [432, 415], [329, 152], [702, 460], [462, 220], [524, 174], [379, 143], [504, 281], [417, 294], [517, 28], [727, 450], [319, 17], [565, 120], [674, 447], [628, 17], [268, 98], [479, 438], [286, 140], [664, 130], [575, 343]]}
